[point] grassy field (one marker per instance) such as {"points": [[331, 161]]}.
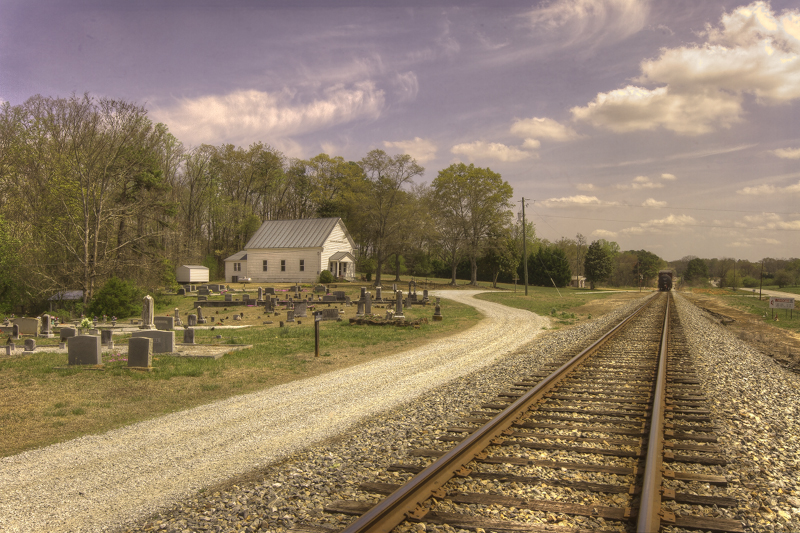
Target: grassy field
{"points": [[789, 320], [41, 402]]}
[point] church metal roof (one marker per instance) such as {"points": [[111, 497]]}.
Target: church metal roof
{"points": [[304, 233]]}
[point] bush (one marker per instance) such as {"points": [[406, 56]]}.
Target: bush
{"points": [[325, 276], [117, 298]]}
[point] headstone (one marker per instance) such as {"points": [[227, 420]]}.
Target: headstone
{"points": [[192, 320], [270, 290], [30, 345], [203, 291], [389, 314], [394, 287], [330, 314], [66, 333], [178, 317], [301, 309], [437, 313], [320, 288], [378, 295], [228, 297], [202, 298], [164, 323], [188, 336], [290, 315], [105, 336], [368, 304], [363, 293], [15, 331], [47, 330], [408, 302], [329, 298], [140, 352], [360, 309], [438, 300], [246, 298], [260, 294], [268, 304], [163, 341], [425, 294], [84, 350], [398, 307], [9, 349], [200, 319], [28, 326], [181, 292], [147, 313]]}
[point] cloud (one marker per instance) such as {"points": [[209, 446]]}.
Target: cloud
{"points": [[576, 201], [669, 177], [765, 189], [585, 187], [661, 225], [787, 153], [652, 202], [542, 128], [247, 115], [640, 182], [700, 88], [604, 234], [481, 150], [423, 150], [571, 22]]}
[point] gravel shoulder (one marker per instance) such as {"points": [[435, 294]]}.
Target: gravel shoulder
{"points": [[103, 482]]}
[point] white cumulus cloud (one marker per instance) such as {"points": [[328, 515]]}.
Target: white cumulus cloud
{"points": [[669, 177], [652, 202], [787, 153], [700, 88], [423, 150], [640, 182], [604, 234], [247, 115], [576, 201], [542, 128], [661, 225], [481, 150]]}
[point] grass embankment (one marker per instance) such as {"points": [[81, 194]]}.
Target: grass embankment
{"points": [[41, 404], [749, 303]]}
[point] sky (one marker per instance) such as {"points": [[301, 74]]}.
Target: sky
{"points": [[666, 125]]}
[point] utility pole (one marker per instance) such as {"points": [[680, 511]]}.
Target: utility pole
{"points": [[760, 280], [524, 247]]}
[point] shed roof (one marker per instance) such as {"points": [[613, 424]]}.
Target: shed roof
{"points": [[238, 256], [67, 295], [338, 256], [195, 266], [304, 233]]}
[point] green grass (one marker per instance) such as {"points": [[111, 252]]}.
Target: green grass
{"points": [[547, 301], [786, 319]]}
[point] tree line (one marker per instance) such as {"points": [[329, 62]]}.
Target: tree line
{"points": [[91, 190]]}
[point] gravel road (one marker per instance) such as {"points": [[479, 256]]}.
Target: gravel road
{"points": [[103, 482]]}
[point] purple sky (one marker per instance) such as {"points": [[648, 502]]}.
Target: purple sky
{"points": [[667, 125]]}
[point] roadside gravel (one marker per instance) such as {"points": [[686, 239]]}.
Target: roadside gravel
{"points": [[103, 482]]}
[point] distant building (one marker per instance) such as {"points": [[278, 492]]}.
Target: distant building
{"points": [[65, 300], [294, 251], [191, 274], [578, 281]]}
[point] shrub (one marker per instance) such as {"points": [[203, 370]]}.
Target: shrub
{"points": [[325, 276], [117, 298]]}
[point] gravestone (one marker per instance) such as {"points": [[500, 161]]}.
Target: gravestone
{"points": [[330, 314], [202, 298], [260, 294], [246, 298], [438, 300], [437, 313], [407, 302], [301, 309], [340, 295], [425, 295], [290, 315], [368, 304], [389, 314], [192, 320], [394, 287], [178, 318], [188, 336], [66, 333], [163, 341], [347, 301], [270, 290], [181, 292], [9, 349], [147, 313], [360, 308], [15, 331], [30, 345], [28, 326], [200, 319], [228, 297], [320, 288], [329, 298], [203, 291], [140, 352], [84, 350], [363, 293], [47, 331], [378, 295], [268, 305], [398, 307], [106, 336], [164, 323]]}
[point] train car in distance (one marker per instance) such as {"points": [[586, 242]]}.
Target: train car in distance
{"points": [[665, 279]]}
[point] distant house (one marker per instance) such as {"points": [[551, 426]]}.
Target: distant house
{"points": [[191, 274], [65, 300], [294, 251], [579, 282]]}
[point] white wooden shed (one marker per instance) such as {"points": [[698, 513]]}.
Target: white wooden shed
{"points": [[191, 274]]}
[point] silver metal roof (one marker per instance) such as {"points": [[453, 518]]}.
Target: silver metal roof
{"points": [[238, 256], [305, 233], [338, 256]]}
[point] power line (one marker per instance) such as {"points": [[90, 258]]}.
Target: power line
{"points": [[666, 225]]}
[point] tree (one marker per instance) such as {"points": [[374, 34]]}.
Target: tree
{"points": [[383, 201], [117, 298], [475, 202], [696, 270], [648, 265], [549, 266], [598, 264]]}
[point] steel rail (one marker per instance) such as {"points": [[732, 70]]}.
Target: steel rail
{"points": [[649, 519], [408, 500]]}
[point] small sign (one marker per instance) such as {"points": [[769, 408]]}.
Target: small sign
{"points": [[781, 303]]}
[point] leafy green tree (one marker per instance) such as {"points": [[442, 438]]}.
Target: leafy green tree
{"points": [[696, 270], [647, 265], [784, 278], [117, 298], [549, 266], [598, 264]]}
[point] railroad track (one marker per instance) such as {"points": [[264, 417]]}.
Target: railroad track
{"points": [[617, 438]]}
